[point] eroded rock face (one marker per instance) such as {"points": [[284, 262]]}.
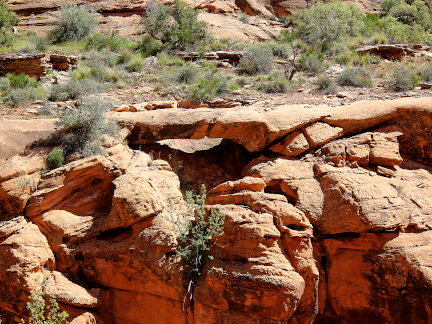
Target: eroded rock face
{"points": [[336, 228], [371, 277]]}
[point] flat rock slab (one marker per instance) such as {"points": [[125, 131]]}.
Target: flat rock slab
{"points": [[15, 135], [253, 127]]}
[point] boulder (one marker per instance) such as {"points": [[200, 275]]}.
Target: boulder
{"points": [[83, 187]]}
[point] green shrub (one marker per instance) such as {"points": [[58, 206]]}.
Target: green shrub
{"points": [[398, 32], [241, 82], [281, 50], [198, 230], [55, 159], [176, 26], [84, 125], [257, 59], [325, 23], [7, 20], [19, 96], [21, 81], [75, 89], [135, 64], [4, 84], [168, 60], [41, 43], [149, 46], [41, 313], [112, 41], [425, 73], [355, 77], [280, 85], [402, 78], [76, 22], [284, 20], [325, 85], [210, 85], [313, 63], [187, 73]]}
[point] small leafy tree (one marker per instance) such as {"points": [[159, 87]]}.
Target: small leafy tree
{"points": [[326, 23], [198, 230], [41, 313], [177, 26]]}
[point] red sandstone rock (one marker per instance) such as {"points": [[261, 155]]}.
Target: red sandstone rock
{"points": [[83, 187], [292, 145]]}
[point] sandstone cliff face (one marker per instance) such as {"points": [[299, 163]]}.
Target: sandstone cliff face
{"points": [[337, 231]]}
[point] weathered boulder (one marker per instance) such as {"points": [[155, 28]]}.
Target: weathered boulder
{"points": [[252, 279], [83, 187], [376, 148]]}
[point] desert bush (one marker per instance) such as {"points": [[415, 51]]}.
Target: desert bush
{"points": [[23, 89], [21, 81], [55, 159], [112, 41], [398, 32], [149, 46], [168, 60], [75, 89], [41, 313], [401, 78], [4, 84], [313, 63], [244, 18], [197, 230], [136, 63], [257, 59], [325, 85], [279, 85], [176, 26], [25, 95], [355, 77], [281, 50], [425, 73], [210, 85], [8, 18], [241, 81], [186, 74], [76, 22], [84, 125], [325, 23]]}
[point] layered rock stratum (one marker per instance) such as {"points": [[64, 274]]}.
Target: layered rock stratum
{"points": [[328, 218]]}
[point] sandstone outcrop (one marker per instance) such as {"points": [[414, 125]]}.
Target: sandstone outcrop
{"points": [[329, 221]]}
